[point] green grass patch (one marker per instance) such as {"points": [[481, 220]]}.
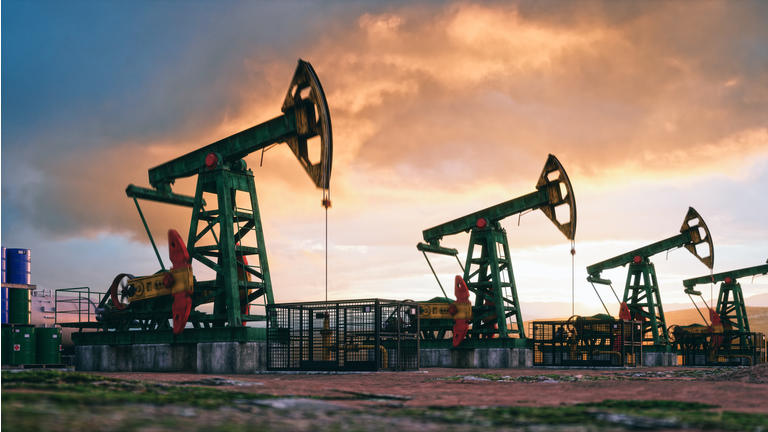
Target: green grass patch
{"points": [[653, 404], [52, 377], [71, 388], [500, 416], [625, 414]]}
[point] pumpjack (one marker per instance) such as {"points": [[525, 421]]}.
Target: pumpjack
{"points": [[488, 268], [642, 300], [731, 308], [220, 223], [727, 334]]}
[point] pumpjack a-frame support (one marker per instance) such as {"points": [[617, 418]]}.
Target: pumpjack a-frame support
{"points": [[731, 307], [488, 273], [643, 299], [244, 270]]}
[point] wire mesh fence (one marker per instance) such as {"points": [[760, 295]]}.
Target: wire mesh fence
{"points": [[730, 348], [587, 342], [349, 335]]}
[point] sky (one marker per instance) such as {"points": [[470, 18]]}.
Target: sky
{"points": [[439, 109]]}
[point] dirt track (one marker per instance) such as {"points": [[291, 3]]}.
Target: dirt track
{"points": [[485, 387]]}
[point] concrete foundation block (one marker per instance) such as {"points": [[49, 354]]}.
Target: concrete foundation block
{"points": [[231, 357], [215, 357], [486, 358], [651, 359], [83, 361], [434, 357], [135, 358]]}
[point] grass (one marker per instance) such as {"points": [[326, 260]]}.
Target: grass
{"points": [[630, 414], [71, 388]]}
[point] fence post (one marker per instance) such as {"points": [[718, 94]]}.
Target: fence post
{"points": [[338, 345], [377, 333]]}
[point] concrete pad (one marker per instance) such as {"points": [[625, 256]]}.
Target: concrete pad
{"points": [[488, 358], [651, 358], [214, 357], [231, 357]]}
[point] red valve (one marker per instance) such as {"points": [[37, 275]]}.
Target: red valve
{"points": [[211, 160], [624, 313], [182, 300], [177, 250], [727, 280], [637, 259], [481, 223], [714, 317], [461, 326], [182, 306], [717, 326]]}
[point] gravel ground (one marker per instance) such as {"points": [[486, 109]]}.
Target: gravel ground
{"points": [[736, 389], [461, 400]]}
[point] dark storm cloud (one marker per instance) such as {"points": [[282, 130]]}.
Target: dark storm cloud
{"points": [[439, 95], [83, 79]]}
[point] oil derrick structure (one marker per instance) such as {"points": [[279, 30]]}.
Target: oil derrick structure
{"points": [[642, 300], [242, 271], [731, 308], [488, 268]]}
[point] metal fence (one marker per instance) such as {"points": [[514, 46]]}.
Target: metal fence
{"points": [[721, 349], [349, 335], [587, 342], [75, 304]]}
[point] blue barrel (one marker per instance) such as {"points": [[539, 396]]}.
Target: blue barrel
{"points": [[4, 305], [18, 266], [18, 270]]}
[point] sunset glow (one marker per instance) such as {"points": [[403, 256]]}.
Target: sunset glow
{"points": [[438, 110]]}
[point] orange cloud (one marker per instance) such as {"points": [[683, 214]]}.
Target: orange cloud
{"points": [[455, 106], [485, 87]]}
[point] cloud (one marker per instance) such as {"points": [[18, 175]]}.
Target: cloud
{"points": [[486, 88], [438, 109]]}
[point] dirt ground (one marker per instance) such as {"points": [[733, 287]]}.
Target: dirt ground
{"points": [[439, 400], [740, 390]]}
